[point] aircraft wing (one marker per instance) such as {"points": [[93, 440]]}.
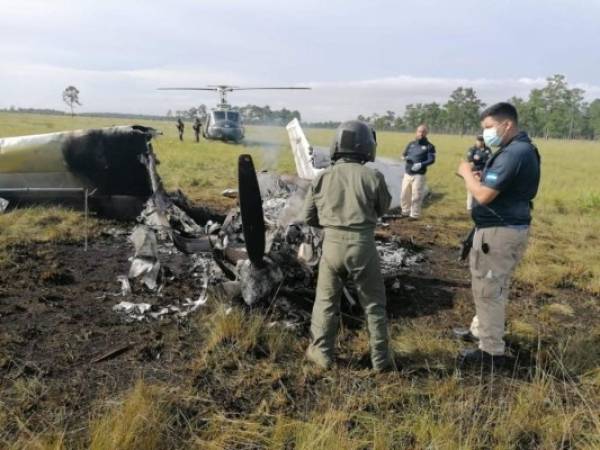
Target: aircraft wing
{"points": [[310, 161]]}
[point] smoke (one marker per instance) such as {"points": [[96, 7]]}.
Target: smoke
{"points": [[268, 141], [270, 155], [293, 208]]}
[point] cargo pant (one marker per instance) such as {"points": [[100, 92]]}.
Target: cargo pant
{"points": [[349, 255], [490, 281], [412, 195]]}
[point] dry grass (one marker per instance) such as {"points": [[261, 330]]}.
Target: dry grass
{"points": [[252, 402], [20, 400], [41, 442], [413, 344], [548, 409], [138, 422], [231, 334]]}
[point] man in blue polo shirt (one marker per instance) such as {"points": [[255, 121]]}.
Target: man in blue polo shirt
{"points": [[501, 211], [418, 155]]}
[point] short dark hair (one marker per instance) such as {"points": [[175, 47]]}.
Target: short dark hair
{"points": [[480, 138], [502, 110]]}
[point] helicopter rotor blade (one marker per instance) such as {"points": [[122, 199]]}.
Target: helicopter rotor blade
{"points": [[233, 88], [186, 89], [304, 88]]}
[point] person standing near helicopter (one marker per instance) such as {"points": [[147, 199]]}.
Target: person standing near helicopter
{"points": [[180, 127], [197, 126]]}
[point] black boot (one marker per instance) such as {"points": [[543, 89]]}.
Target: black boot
{"points": [[475, 357]]}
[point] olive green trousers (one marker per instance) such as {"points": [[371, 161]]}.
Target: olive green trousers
{"points": [[349, 256]]}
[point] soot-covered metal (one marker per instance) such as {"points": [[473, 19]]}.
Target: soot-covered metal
{"points": [[111, 160], [105, 164]]}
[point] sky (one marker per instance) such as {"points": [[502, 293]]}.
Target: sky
{"points": [[359, 57]]}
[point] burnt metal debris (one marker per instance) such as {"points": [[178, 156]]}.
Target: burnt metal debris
{"points": [[259, 252]]}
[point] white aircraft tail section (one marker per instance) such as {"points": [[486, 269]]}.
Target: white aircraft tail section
{"points": [[301, 150], [309, 162]]}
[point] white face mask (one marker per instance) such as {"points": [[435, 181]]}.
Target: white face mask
{"points": [[491, 137]]}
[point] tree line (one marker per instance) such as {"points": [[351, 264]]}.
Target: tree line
{"points": [[554, 111]]}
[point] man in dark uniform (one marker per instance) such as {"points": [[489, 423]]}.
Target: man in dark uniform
{"points": [[419, 154], [197, 127], [180, 127], [478, 156], [346, 199], [502, 213]]}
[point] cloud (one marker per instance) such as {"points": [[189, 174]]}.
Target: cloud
{"points": [[360, 57], [134, 91]]}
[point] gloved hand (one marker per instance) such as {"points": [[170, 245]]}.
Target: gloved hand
{"points": [[416, 167]]}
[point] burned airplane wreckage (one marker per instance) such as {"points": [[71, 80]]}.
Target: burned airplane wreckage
{"points": [[257, 252]]}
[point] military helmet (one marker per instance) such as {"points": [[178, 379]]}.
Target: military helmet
{"points": [[354, 139]]}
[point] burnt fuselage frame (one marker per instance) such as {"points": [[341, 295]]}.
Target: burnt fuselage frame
{"points": [[55, 168]]}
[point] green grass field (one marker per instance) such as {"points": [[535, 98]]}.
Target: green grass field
{"points": [[227, 397]]}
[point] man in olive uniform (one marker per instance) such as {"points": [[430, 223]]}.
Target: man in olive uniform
{"points": [[345, 200], [180, 128], [478, 156], [502, 213], [197, 127], [419, 154]]}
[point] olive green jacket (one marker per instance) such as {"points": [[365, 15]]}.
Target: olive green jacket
{"points": [[347, 195]]}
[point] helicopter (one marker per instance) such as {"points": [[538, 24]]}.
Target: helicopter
{"points": [[222, 122]]}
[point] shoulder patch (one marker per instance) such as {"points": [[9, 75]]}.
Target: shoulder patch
{"points": [[491, 177]]}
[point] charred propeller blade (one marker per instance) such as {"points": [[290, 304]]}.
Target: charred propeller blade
{"points": [[253, 223]]}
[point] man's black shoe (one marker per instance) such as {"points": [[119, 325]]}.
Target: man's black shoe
{"points": [[478, 358], [464, 334]]}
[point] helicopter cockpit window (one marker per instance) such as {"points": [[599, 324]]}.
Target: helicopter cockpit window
{"points": [[233, 116], [219, 115]]}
